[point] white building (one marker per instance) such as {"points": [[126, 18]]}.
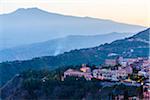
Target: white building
{"points": [[105, 74]]}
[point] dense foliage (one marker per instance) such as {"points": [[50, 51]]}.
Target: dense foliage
{"points": [[44, 84]]}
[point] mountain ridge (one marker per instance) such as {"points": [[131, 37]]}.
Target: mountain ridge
{"points": [[58, 14], [28, 26], [56, 46]]}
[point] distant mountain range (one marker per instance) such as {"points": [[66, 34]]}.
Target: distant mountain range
{"points": [[135, 46], [26, 26], [57, 46]]}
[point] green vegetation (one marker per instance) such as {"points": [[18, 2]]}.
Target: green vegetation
{"points": [[45, 84]]}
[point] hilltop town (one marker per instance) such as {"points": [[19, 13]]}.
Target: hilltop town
{"points": [[117, 79], [131, 71]]}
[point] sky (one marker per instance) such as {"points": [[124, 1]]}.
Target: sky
{"points": [[126, 11]]}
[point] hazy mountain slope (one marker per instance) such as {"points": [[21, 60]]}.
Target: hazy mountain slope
{"points": [[129, 47], [26, 26], [57, 46]]}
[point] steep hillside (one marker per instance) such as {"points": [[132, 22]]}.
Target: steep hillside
{"points": [[46, 85], [135, 46]]}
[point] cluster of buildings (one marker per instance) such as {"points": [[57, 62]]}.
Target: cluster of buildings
{"points": [[145, 69], [112, 75], [118, 69], [121, 61]]}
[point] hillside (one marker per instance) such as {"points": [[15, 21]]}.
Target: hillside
{"points": [[29, 85], [135, 46], [26, 26], [57, 46]]}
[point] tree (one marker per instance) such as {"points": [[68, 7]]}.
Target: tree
{"points": [[126, 94]]}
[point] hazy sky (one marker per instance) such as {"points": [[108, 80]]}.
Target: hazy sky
{"points": [[127, 11]]}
